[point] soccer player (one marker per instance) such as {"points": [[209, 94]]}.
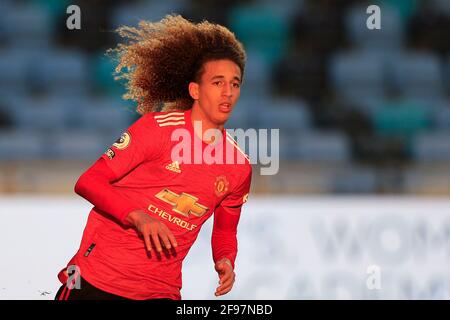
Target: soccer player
{"points": [[148, 206]]}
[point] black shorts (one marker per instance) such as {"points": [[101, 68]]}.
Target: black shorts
{"points": [[86, 292]]}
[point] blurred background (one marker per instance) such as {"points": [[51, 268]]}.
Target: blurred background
{"points": [[364, 119]]}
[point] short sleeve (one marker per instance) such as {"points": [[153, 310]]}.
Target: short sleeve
{"points": [[240, 194], [142, 141]]}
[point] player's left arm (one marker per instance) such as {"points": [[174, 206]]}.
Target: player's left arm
{"points": [[224, 235]]}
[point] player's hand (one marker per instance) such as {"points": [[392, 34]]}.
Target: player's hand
{"points": [[226, 276], [151, 228]]}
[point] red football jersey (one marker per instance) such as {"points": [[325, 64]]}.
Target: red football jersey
{"points": [[112, 256]]}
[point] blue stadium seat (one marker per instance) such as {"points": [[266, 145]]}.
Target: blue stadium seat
{"points": [[432, 146], [447, 74], [290, 116], [401, 116], [285, 114], [239, 118], [78, 145], [358, 74], [366, 105], [257, 75], [418, 75], [43, 113], [63, 71], [390, 37], [54, 8], [287, 9], [260, 29], [321, 146], [27, 26], [111, 115], [21, 145], [246, 110], [72, 105], [103, 75], [130, 15], [405, 8], [14, 70], [288, 145], [441, 117], [5, 8], [9, 103]]}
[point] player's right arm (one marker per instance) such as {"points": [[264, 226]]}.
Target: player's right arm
{"points": [[141, 142]]}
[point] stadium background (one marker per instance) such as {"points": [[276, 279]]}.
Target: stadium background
{"points": [[364, 119]]}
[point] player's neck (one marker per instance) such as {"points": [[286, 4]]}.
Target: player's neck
{"points": [[198, 115]]}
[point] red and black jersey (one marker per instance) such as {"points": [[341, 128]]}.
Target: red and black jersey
{"points": [[142, 174]]}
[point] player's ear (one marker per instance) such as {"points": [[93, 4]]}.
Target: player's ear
{"points": [[193, 90]]}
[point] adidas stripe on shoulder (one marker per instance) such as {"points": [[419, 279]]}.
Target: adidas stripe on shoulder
{"points": [[170, 119]]}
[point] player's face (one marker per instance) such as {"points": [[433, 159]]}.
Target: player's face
{"points": [[218, 91]]}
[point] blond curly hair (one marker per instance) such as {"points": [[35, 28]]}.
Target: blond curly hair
{"points": [[161, 58]]}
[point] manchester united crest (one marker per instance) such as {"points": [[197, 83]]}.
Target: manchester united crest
{"points": [[221, 186]]}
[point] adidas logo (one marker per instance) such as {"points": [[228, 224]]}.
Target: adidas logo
{"points": [[174, 166]]}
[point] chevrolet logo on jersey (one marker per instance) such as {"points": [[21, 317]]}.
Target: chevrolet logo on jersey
{"points": [[184, 203]]}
